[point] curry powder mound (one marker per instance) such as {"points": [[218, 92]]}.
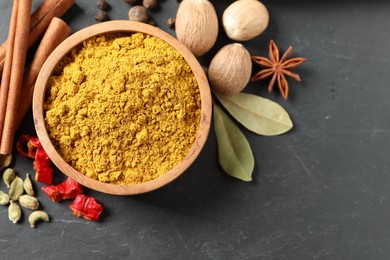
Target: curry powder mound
{"points": [[123, 108]]}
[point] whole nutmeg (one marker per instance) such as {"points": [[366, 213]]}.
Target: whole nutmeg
{"points": [[230, 69], [245, 19], [138, 13], [197, 25]]}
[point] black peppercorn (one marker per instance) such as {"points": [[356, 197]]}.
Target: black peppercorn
{"points": [[101, 16], [102, 4]]}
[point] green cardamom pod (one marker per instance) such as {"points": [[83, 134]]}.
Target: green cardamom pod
{"points": [[4, 198], [28, 187], [38, 215], [16, 189], [8, 176], [29, 202], [5, 161], [14, 212]]}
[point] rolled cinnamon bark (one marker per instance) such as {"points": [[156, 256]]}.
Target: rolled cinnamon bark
{"points": [[6, 75], [56, 33], [17, 68], [40, 20]]}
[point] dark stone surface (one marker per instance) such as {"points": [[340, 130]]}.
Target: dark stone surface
{"points": [[321, 191]]}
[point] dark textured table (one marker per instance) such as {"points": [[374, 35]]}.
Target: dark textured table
{"points": [[321, 191]]}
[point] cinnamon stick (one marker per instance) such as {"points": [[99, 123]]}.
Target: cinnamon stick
{"points": [[56, 33], [17, 68], [6, 77], [40, 20]]}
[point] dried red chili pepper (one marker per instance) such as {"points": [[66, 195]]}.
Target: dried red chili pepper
{"points": [[69, 189], [44, 172], [86, 207], [31, 143]]}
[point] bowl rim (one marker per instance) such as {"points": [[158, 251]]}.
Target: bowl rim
{"points": [[114, 27]]}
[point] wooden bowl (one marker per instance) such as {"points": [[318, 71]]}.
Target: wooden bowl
{"points": [[127, 27]]}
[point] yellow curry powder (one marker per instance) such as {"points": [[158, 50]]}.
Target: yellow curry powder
{"points": [[123, 108]]}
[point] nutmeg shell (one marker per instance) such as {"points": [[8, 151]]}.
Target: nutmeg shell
{"points": [[230, 69], [244, 20], [197, 25]]}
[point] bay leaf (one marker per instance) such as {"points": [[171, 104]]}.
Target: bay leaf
{"points": [[259, 115], [234, 152]]}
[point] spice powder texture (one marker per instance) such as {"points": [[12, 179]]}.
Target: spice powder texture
{"points": [[123, 108]]}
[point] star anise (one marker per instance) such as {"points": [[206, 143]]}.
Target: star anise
{"points": [[277, 68]]}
